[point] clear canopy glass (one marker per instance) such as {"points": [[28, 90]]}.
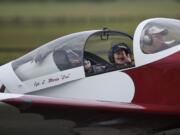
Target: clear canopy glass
{"points": [[68, 52], [58, 55], [159, 35]]}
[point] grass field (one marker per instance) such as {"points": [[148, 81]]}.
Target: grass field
{"points": [[121, 8], [25, 26]]}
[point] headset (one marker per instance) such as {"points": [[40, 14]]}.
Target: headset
{"points": [[122, 46], [147, 39]]}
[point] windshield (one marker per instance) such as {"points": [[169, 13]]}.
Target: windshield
{"points": [[159, 35], [103, 52]]}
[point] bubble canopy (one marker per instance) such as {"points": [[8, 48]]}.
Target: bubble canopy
{"points": [[61, 54], [159, 35]]}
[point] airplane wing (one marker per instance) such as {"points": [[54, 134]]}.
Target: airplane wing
{"points": [[48, 105], [19, 114]]}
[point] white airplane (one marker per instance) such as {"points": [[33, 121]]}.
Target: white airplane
{"points": [[54, 75]]}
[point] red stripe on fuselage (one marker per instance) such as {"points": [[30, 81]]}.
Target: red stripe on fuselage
{"points": [[158, 82]]}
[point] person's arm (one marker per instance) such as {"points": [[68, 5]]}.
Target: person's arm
{"points": [[127, 57]]}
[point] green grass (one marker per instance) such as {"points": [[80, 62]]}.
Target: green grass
{"points": [[126, 9], [6, 56], [33, 36]]}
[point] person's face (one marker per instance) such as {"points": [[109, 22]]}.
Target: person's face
{"points": [[157, 40], [87, 65], [119, 57]]}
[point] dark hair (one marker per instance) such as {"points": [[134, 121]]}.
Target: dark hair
{"points": [[116, 48]]}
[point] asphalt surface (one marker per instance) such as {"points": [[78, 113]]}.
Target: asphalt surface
{"points": [[16, 123]]}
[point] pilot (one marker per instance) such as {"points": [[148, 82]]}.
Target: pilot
{"points": [[120, 56], [87, 66], [93, 69], [153, 40]]}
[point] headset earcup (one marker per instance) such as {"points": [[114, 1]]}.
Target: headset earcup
{"points": [[147, 39]]}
